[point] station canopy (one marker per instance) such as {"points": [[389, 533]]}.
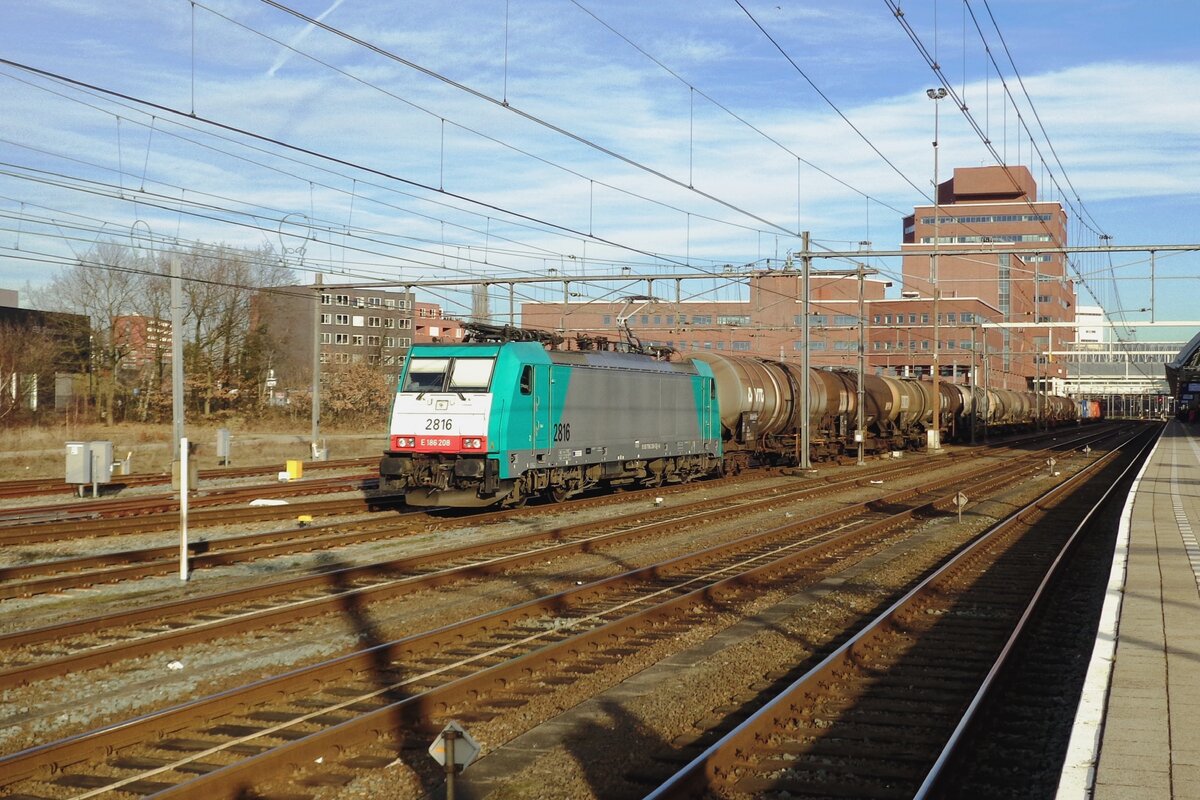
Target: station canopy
{"points": [[1183, 374]]}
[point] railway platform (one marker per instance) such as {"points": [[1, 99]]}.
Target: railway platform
{"points": [[1137, 730]]}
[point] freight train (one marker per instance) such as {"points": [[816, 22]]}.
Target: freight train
{"points": [[480, 423]]}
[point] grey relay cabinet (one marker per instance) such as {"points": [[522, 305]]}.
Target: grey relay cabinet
{"points": [[89, 462]]}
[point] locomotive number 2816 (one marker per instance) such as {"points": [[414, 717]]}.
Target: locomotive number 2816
{"points": [[562, 431], [439, 424]]}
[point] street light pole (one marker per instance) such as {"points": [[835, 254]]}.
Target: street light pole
{"points": [[315, 411], [934, 434], [805, 270], [862, 360]]}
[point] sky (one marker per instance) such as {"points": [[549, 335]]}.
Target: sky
{"points": [[529, 138]]}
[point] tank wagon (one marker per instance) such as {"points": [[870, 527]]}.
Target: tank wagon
{"points": [[499, 422]]}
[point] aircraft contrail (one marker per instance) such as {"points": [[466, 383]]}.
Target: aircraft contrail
{"points": [[295, 42]]}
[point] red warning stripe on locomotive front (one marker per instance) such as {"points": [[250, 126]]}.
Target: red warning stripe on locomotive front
{"points": [[438, 444]]}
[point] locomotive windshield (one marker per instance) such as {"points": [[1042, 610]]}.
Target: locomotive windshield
{"points": [[449, 375], [426, 374], [471, 374]]}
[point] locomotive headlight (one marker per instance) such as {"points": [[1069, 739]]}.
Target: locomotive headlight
{"points": [[399, 442], [472, 444]]}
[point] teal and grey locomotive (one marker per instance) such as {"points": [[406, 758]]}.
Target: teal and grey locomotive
{"points": [[476, 424]]}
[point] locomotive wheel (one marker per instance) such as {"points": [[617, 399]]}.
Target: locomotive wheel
{"points": [[557, 494]]}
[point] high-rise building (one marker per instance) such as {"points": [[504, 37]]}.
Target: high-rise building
{"points": [[998, 208]]}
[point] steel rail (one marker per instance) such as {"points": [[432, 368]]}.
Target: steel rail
{"points": [[729, 756], [420, 710], [338, 585], [29, 579], [163, 514], [27, 487], [755, 566]]}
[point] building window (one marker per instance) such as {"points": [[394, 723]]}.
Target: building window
{"points": [[875, 319], [326, 319], [341, 358], [968, 318], [388, 322], [702, 319], [403, 305], [924, 319], [360, 302], [373, 322], [341, 338], [405, 342], [358, 340], [324, 358], [924, 345], [389, 303], [342, 319], [845, 319], [606, 319], [741, 345], [373, 341], [372, 359], [326, 299], [951, 318], [343, 299], [325, 338], [405, 324], [888, 319], [374, 302], [912, 319], [733, 319], [389, 341]]}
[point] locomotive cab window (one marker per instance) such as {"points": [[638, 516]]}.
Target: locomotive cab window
{"points": [[426, 374], [527, 379], [449, 375], [471, 374]]}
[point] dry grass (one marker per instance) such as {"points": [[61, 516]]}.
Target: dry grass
{"points": [[29, 452]]}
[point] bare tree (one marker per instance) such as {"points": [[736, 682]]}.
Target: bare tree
{"points": [[222, 282], [104, 285], [25, 354]]}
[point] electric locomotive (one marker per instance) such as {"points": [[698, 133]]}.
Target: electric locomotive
{"points": [[475, 424]]}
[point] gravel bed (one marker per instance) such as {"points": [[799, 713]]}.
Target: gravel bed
{"points": [[621, 744], [58, 707]]}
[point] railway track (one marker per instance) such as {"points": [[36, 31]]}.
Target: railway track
{"points": [[70, 573], [86, 643], [359, 709], [67, 573], [45, 524], [882, 715], [32, 487]]}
